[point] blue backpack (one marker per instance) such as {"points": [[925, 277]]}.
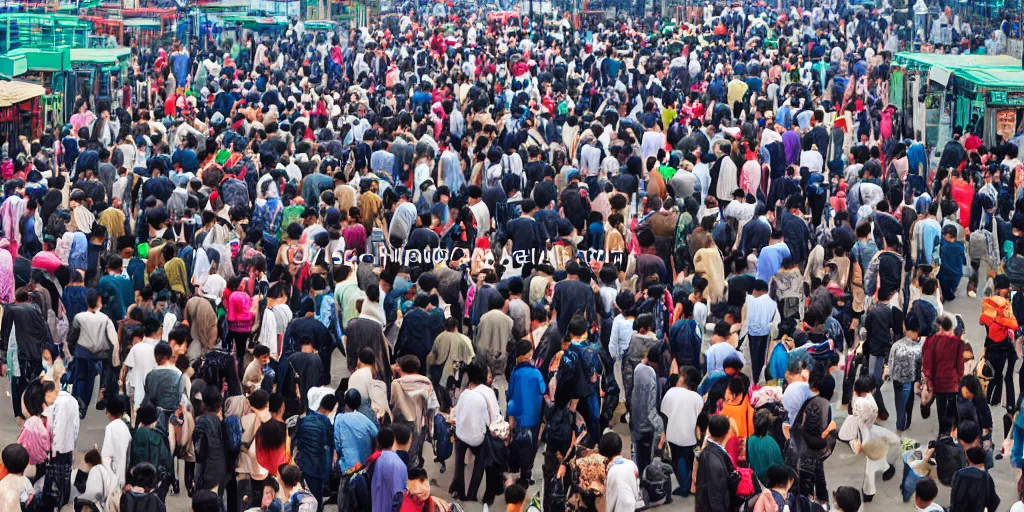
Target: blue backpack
{"points": [[442, 442], [233, 435]]}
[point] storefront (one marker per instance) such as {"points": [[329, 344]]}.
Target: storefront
{"points": [[981, 94]]}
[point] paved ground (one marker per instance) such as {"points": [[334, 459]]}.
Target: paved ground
{"points": [[843, 468]]}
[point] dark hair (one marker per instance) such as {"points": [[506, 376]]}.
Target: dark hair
{"points": [[864, 384], [779, 474], [92, 457], [476, 372], [515, 494], [643, 322], [115, 406], [367, 356], [610, 445], [385, 438], [409, 363], [718, 426], [144, 475], [162, 352], [329, 402], [211, 399], [847, 499], [763, 420], [259, 399], [290, 474], [968, 431], [402, 433], [926, 489], [972, 384], [691, 377], [15, 458], [976, 455]]}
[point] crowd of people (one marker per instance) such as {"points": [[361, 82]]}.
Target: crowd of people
{"points": [[516, 234]]}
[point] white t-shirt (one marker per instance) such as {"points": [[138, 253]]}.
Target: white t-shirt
{"points": [[116, 439], [141, 361], [682, 407], [477, 408]]}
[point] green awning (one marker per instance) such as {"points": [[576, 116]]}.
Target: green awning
{"points": [[100, 56], [992, 78], [926, 60]]}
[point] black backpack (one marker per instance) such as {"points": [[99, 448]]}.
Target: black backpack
{"points": [[1015, 270], [948, 459]]}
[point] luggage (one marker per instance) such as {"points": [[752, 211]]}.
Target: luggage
{"points": [[656, 484]]}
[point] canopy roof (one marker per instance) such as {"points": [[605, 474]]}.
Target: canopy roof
{"points": [[970, 71], [101, 56], [16, 91]]}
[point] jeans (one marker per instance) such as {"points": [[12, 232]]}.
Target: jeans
{"points": [[875, 366], [590, 409], [812, 479], [682, 464], [904, 396], [527, 455], [316, 488], [643, 447], [87, 371], [758, 354], [1001, 357], [945, 404]]}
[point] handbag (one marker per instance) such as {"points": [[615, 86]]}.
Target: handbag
{"points": [[927, 398]]}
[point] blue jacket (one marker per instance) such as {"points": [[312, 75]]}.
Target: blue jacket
{"points": [[525, 395], [314, 440]]}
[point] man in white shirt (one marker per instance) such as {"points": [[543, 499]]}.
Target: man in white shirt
{"points": [[140, 361], [591, 154], [762, 313], [63, 419], [682, 406], [116, 440], [477, 408], [479, 209]]}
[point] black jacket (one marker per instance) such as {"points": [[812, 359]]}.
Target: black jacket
{"points": [[973, 491], [211, 457], [714, 490]]}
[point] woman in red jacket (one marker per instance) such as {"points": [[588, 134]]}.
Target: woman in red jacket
{"points": [[942, 362]]}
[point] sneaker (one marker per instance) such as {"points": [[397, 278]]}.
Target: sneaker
{"points": [[972, 294]]}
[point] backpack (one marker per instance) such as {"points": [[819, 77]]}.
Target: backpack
{"points": [[299, 498], [559, 426], [948, 457], [142, 502], [235, 192], [442, 441], [746, 487], [656, 484], [233, 434], [1014, 268], [150, 445]]}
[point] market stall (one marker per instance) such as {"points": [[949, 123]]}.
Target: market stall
{"points": [[97, 72], [937, 93], [19, 107]]}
